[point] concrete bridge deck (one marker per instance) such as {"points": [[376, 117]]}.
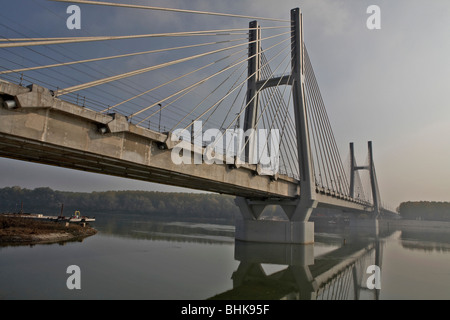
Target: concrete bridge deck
{"points": [[40, 128], [47, 130]]}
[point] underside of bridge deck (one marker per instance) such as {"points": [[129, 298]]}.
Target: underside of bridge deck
{"points": [[47, 130]]}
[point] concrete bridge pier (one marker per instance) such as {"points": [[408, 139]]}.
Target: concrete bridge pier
{"points": [[295, 230]]}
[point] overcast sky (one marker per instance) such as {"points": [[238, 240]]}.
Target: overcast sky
{"points": [[390, 86]]}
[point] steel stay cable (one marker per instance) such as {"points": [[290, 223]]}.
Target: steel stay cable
{"points": [[52, 49], [133, 86], [109, 38], [233, 103], [333, 160], [70, 97], [317, 138], [237, 122], [243, 82], [191, 88], [259, 90], [290, 123], [293, 154], [99, 71], [323, 128], [283, 146], [148, 91], [140, 71], [229, 110], [229, 90], [326, 143], [35, 80], [271, 111], [123, 5], [58, 72], [314, 135], [195, 84], [169, 82], [90, 101], [198, 69], [144, 70], [266, 74], [293, 145], [115, 57], [198, 105], [336, 154], [229, 76], [318, 133], [245, 29], [263, 99], [109, 79], [266, 118], [248, 103], [30, 42], [318, 128], [78, 70]]}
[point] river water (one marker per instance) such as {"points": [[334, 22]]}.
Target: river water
{"points": [[133, 258]]}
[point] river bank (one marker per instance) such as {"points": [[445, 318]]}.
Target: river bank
{"points": [[18, 230]]}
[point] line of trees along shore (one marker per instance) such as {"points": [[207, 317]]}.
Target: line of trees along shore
{"points": [[201, 206], [425, 210]]}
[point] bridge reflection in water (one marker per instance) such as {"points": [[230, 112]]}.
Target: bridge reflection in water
{"points": [[336, 275], [334, 268]]}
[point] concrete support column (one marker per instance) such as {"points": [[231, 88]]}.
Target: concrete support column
{"points": [[373, 182], [352, 171], [251, 228], [307, 180], [254, 75]]}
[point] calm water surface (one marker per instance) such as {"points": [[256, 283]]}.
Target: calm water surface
{"points": [[131, 258]]}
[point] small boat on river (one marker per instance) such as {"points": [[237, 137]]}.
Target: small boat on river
{"points": [[77, 217]]}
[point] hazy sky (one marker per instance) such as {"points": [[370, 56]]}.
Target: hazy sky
{"points": [[389, 86]]}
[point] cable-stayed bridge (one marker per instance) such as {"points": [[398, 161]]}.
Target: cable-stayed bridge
{"points": [[232, 111]]}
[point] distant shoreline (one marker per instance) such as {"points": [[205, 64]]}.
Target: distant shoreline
{"points": [[26, 231]]}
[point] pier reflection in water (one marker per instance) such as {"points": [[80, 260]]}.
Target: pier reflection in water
{"points": [[336, 275], [134, 258]]}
